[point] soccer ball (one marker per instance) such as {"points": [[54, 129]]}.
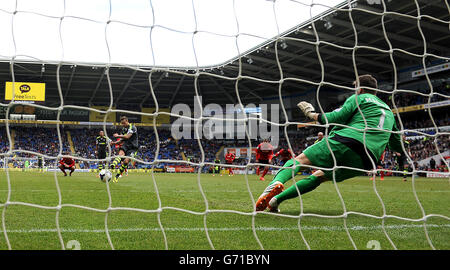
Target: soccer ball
{"points": [[105, 175]]}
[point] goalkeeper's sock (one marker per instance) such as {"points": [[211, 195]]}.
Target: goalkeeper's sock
{"points": [[305, 185], [286, 173], [115, 162], [123, 168]]}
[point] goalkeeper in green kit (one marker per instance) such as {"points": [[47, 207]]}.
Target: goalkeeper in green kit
{"points": [[354, 142]]}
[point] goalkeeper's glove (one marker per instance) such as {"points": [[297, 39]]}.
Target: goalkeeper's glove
{"points": [[307, 109]]}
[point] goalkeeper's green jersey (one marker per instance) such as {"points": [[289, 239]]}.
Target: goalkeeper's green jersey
{"points": [[377, 114]]}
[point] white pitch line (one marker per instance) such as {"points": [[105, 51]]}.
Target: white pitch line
{"points": [[225, 229], [210, 191]]}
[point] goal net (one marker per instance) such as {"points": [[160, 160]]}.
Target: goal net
{"points": [[200, 79]]}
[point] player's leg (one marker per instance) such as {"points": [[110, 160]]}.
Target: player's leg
{"points": [[230, 170], [100, 164], [266, 170], [275, 187], [311, 182], [124, 166], [344, 157], [125, 162], [381, 166], [401, 167], [318, 155], [405, 172], [117, 160], [63, 169], [373, 176], [72, 169]]}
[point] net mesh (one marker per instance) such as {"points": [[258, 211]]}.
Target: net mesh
{"points": [[197, 71]]}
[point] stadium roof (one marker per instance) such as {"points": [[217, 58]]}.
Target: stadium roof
{"points": [[297, 54]]}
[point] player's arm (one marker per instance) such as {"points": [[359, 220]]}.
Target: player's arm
{"points": [[127, 136], [278, 153], [116, 142], [339, 116], [123, 137]]}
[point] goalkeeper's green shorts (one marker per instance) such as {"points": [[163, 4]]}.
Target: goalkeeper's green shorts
{"points": [[320, 156]]}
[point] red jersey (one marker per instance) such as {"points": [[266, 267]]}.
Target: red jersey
{"points": [[229, 157], [118, 144], [67, 161], [264, 151], [285, 154]]}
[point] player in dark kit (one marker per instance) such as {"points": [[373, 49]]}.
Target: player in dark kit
{"points": [[40, 163], [129, 146], [101, 148], [402, 160], [67, 163], [264, 155]]}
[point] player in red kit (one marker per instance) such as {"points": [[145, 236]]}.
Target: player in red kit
{"points": [[67, 163], [264, 155], [380, 166], [285, 155], [229, 158]]}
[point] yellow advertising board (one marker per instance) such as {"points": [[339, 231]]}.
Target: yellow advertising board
{"points": [[99, 117], [409, 108], [161, 119], [25, 91]]}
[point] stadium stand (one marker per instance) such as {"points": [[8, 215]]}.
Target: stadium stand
{"points": [[44, 140]]}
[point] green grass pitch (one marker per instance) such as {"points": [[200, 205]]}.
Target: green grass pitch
{"points": [[183, 218]]}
